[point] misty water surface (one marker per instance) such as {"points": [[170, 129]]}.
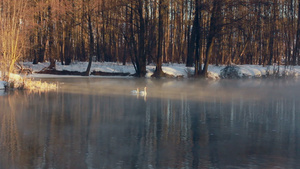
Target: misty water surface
{"points": [[98, 123]]}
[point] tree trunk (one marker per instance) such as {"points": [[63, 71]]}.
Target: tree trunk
{"points": [[190, 42], [158, 71], [297, 46], [196, 33], [141, 43], [91, 46], [215, 27], [51, 39], [272, 32]]}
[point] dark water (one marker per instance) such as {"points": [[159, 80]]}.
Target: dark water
{"points": [[97, 123]]}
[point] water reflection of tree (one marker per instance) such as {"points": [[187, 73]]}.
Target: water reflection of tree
{"points": [[84, 131], [10, 138], [254, 128], [221, 132]]}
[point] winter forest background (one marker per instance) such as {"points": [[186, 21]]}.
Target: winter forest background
{"points": [[194, 32]]}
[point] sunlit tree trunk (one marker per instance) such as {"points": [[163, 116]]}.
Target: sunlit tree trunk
{"points": [[50, 38]]}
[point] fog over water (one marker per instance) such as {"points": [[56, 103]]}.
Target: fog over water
{"points": [[99, 123]]}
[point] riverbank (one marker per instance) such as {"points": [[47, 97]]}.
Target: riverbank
{"points": [[177, 70]]}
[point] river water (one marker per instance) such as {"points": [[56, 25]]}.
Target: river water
{"points": [[97, 123]]}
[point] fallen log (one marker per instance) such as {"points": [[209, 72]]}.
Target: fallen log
{"points": [[100, 73], [60, 72], [95, 73]]}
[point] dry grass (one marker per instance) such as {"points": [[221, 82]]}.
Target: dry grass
{"points": [[18, 82]]}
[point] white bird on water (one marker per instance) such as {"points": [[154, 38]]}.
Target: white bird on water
{"points": [[144, 92], [137, 91]]}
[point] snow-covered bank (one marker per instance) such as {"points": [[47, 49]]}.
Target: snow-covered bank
{"points": [[172, 69]]}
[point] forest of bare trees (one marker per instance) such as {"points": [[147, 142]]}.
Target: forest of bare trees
{"points": [[194, 32]]}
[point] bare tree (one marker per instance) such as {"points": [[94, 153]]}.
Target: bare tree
{"points": [[214, 28], [12, 34], [161, 10]]}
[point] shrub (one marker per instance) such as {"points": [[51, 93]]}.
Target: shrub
{"points": [[230, 72]]}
